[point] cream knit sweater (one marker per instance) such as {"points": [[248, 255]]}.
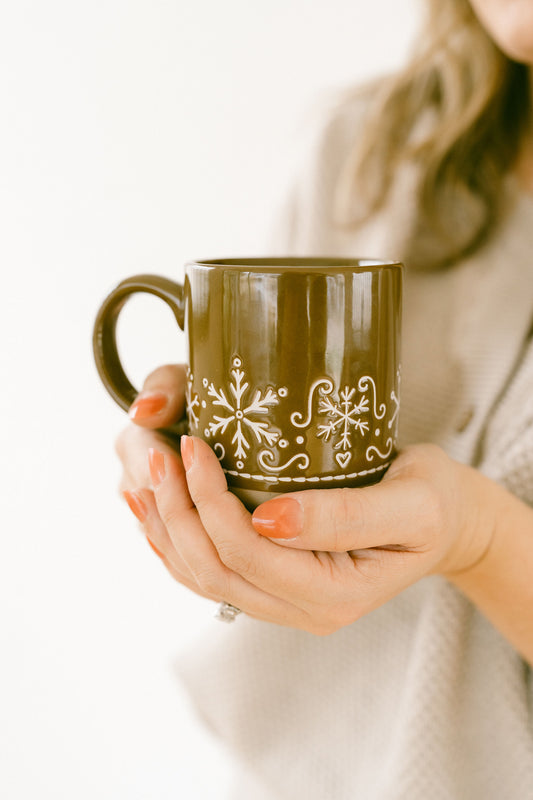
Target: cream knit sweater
{"points": [[422, 699]]}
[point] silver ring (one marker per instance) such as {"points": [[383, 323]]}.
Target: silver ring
{"points": [[227, 613]]}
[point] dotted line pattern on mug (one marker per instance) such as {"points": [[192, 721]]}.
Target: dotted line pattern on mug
{"points": [[302, 479]]}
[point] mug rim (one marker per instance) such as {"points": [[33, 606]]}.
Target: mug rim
{"points": [[273, 263]]}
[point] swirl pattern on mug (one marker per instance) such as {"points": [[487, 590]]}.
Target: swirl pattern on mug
{"points": [[249, 423]]}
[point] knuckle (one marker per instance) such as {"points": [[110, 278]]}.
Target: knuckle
{"points": [[235, 559], [211, 501], [172, 519], [210, 579], [347, 508], [329, 573]]}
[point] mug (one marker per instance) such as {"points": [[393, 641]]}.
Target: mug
{"points": [[293, 366]]}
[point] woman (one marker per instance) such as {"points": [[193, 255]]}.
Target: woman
{"points": [[422, 687]]}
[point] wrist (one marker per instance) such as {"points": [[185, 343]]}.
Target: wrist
{"points": [[482, 501]]}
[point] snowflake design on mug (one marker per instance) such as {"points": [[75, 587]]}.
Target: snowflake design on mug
{"points": [[344, 412], [241, 412], [343, 417]]}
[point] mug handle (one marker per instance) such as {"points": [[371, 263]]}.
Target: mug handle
{"points": [[105, 349]]}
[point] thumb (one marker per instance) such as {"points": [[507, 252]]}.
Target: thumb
{"points": [[161, 402], [340, 520]]}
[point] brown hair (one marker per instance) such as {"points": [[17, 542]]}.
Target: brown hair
{"points": [[480, 108]]}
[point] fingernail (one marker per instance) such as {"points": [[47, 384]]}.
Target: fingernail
{"points": [[187, 451], [136, 504], [156, 462], [154, 548], [147, 404], [280, 518]]}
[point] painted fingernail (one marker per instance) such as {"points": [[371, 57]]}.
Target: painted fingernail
{"points": [[147, 404], [280, 518], [154, 548], [136, 504], [187, 451], [156, 462]]}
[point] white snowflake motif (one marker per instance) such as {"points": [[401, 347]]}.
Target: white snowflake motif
{"points": [[344, 418], [192, 402], [240, 414]]}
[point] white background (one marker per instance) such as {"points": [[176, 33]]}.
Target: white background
{"points": [[134, 135]]}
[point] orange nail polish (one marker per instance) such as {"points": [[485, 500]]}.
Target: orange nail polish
{"points": [[136, 504], [156, 462], [187, 451], [146, 405], [154, 548], [280, 518]]}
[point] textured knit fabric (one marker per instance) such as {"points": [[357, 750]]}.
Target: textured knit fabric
{"points": [[422, 699]]}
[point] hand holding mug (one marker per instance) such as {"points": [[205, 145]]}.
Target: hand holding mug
{"points": [[336, 555], [342, 554]]}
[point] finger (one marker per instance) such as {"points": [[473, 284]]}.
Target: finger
{"points": [[214, 577], [142, 504], [162, 399], [314, 619], [158, 538], [384, 515], [132, 446], [315, 583], [291, 575]]}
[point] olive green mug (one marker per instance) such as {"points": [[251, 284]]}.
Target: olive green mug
{"points": [[293, 366]]}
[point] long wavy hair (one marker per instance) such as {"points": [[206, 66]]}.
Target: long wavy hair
{"points": [[477, 102]]}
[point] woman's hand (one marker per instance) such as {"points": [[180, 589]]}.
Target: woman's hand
{"points": [[330, 556], [317, 559]]}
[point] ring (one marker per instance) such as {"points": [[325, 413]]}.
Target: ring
{"points": [[227, 613]]}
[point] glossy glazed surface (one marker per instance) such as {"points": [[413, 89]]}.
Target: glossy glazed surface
{"points": [[294, 369]]}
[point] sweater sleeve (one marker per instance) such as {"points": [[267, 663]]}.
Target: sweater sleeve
{"points": [[508, 450], [507, 456]]}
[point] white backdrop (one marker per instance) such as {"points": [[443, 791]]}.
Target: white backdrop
{"points": [[134, 134]]}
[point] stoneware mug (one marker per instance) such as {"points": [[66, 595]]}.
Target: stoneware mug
{"points": [[293, 366]]}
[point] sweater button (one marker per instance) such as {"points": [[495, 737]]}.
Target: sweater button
{"points": [[465, 419]]}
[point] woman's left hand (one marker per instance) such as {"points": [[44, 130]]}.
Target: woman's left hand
{"points": [[316, 559]]}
